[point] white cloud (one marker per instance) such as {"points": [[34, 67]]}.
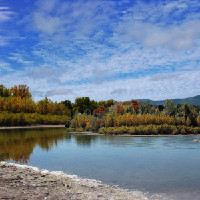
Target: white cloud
{"points": [[175, 6], [148, 55], [172, 25], [5, 15], [5, 67], [59, 19], [18, 57], [47, 24], [176, 37], [59, 92]]}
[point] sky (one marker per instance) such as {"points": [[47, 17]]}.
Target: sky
{"points": [[102, 49]]}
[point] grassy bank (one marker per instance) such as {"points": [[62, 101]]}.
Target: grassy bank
{"points": [[151, 130], [163, 129]]}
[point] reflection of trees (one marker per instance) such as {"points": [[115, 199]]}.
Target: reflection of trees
{"points": [[85, 140], [68, 137], [18, 145]]}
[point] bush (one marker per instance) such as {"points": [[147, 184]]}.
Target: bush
{"points": [[150, 130], [20, 119]]}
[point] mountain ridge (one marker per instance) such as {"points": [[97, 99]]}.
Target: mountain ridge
{"points": [[190, 100]]}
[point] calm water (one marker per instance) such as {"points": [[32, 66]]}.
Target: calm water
{"points": [[169, 165]]}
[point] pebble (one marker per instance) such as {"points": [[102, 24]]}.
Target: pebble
{"points": [[19, 182]]}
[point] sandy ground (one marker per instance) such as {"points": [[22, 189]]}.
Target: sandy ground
{"points": [[25, 182], [30, 127]]}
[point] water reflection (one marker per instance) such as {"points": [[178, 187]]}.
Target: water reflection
{"points": [[85, 140], [18, 145]]}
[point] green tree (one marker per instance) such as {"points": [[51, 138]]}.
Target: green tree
{"points": [[67, 103], [82, 103], [170, 108], [1, 90], [144, 107], [93, 105]]}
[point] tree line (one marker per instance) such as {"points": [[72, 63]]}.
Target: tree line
{"points": [[18, 108], [133, 117]]}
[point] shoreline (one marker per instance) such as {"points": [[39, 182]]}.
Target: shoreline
{"points": [[126, 135], [31, 127], [26, 182], [86, 132]]}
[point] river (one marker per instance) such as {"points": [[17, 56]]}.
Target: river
{"points": [[169, 166]]}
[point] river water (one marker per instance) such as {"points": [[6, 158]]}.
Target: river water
{"points": [[163, 165]]}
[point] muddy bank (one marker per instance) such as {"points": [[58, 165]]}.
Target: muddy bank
{"points": [[24, 182], [30, 127]]}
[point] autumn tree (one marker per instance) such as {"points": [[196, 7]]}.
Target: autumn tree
{"points": [[110, 102], [135, 104], [100, 110], [21, 91]]}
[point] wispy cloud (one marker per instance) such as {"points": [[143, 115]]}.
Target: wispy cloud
{"points": [[60, 19], [108, 49], [58, 92], [6, 15]]}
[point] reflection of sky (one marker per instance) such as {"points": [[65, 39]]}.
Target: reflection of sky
{"points": [[64, 49], [157, 164]]}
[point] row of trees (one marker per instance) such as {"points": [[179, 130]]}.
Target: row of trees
{"points": [[179, 119], [92, 123], [18, 99], [92, 115], [15, 91], [18, 108], [28, 105], [24, 119]]}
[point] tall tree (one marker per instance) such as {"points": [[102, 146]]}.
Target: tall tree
{"points": [[21, 91], [82, 103]]}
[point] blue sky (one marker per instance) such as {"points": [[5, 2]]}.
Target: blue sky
{"points": [[103, 49]]}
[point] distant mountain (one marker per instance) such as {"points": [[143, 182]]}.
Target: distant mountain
{"points": [[190, 100]]}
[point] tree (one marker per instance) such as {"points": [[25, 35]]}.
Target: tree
{"points": [[21, 91], [100, 110], [170, 108], [82, 103], [186, 110], [1, 90], [144, 107], [135, 104], [67, 103], [110, 102], [93, 105]]}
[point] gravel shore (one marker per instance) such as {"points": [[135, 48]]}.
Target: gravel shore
{"points": [[24, 182]]}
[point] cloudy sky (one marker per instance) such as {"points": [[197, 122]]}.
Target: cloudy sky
{"points": [[103, 49]]}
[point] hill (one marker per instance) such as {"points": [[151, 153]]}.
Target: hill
{"points": [[190, 100]]}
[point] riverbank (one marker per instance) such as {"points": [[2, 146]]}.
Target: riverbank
{"points": [[126, 135], [33, 126], [25, 182]]}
